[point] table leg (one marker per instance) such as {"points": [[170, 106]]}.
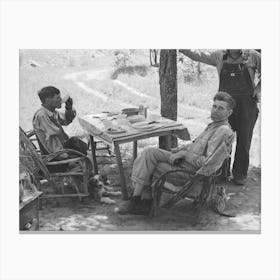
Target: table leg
{"points": [[168, 142], [121, 171], [93, 150], [165, 142], [134, 150]]}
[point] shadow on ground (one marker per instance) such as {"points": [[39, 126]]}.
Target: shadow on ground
{"points": [[91, 216]]}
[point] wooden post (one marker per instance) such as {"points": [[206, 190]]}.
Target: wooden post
{"points": [[168, 90]]}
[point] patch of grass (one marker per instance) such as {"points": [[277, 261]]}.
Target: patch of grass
{"points": [[148, 84], [140, 70], [198, 93]]}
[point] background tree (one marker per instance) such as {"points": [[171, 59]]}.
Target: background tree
{"points": [[168, 90]]}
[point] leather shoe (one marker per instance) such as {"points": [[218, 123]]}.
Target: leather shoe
{"points": [[239, 181]]}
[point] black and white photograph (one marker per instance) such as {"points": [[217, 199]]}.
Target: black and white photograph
{"points": [[140, 140]]}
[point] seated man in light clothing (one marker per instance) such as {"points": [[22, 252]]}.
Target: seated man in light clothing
{"points": [[48, 122], [153, 162]]}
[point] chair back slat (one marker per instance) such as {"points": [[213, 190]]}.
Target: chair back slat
{"points": [[29, 157]]}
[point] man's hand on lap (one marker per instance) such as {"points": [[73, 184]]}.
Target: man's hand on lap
{"points": [[176, 158]]}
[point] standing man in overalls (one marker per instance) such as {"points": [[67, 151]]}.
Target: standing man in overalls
{"points": [[237, 71]]}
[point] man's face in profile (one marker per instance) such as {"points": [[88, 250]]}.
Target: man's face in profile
{"points": [[220, 111], [55, 101]]}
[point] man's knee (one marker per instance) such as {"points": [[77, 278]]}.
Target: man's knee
{"points": [[150, 152]]}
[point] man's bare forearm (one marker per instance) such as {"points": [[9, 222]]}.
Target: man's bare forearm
{"points": [[199, 56]]}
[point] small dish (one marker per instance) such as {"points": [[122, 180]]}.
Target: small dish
{"points": [[115, 130], [136, 118], [143, 126]]}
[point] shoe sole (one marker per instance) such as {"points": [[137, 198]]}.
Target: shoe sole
{"points": [[238, 183]]}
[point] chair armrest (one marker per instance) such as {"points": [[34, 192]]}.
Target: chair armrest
{"points": [[85, 161], [70, 160], [30, 133], [165, 175], [159, 185], [52, 156]]}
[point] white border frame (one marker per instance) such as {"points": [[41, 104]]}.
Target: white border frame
{"points": [[200, 24]]}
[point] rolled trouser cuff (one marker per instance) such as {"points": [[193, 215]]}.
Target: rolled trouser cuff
{"points": [[139, 181]]}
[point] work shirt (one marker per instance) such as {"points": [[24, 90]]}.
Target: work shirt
{"points": [[214, 141], [251, 58], [48, 128]]}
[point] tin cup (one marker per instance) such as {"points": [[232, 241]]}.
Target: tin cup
{"points": [[65, 98]]}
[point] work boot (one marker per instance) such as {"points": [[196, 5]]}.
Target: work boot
{"points": [[130, 206], [135, 206], [147, 205], [239, 180]]}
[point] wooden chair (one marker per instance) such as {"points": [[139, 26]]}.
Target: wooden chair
{"points": [[38, 165], [206, 177], [99, 146], [32, 136]]}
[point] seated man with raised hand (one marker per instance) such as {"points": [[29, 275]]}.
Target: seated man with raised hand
{"points": [[153, 162], [48, 122]]}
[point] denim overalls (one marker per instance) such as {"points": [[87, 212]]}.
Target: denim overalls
{"points": [[235, 80]]}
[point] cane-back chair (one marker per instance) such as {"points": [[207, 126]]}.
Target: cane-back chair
{"points": [[77, 168], [200, 185]]}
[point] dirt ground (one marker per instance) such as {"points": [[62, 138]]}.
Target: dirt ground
{"points": [[91, 216]]}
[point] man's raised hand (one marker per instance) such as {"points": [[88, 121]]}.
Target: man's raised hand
{"points": [[69, 103]]}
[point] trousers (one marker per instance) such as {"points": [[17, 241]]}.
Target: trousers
{"points": [[242, 121], [152, 163]]}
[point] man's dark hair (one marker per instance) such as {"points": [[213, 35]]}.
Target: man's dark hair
{"points": [[46, 92], [224, 96]]}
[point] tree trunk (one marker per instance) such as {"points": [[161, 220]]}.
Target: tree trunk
{"points": [[168, 90]]}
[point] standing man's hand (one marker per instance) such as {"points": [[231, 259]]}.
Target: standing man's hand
{"points": [[257, 95]]}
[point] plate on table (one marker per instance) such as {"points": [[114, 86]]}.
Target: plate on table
{"points": [[136, 118], [143, 125], [115, 130]]}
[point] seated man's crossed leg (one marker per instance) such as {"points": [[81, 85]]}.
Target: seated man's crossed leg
{"points": [[151, 164]]}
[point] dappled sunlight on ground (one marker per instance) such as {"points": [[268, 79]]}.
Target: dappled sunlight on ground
{"points": [[91, 216]]}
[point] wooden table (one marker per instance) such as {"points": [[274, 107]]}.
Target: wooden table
{"points": [[94, 126]]}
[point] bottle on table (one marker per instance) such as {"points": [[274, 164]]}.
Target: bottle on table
{"points": [[143, 110]]}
